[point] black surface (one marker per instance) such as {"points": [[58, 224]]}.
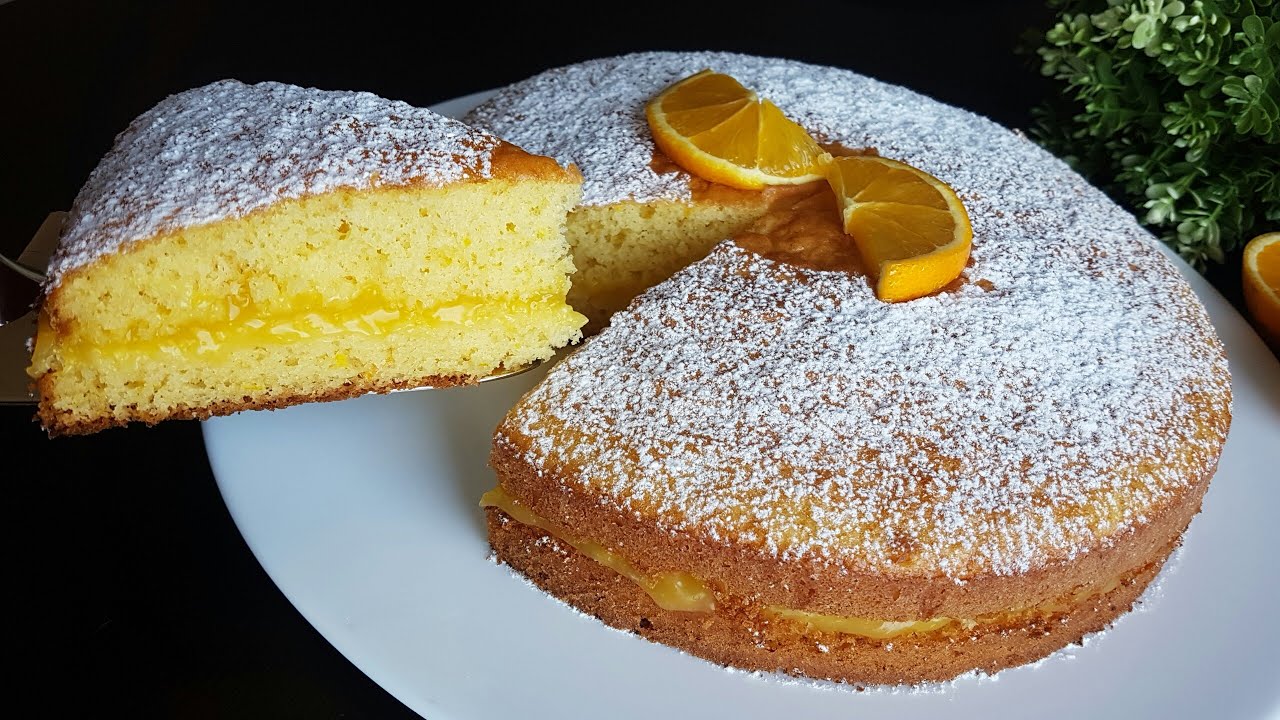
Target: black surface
{"points": [[135, 594]]}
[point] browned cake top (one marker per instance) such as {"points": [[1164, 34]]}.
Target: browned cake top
{"points": [[227, 149], [1070, 387]]}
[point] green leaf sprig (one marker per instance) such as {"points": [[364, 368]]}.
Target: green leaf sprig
{"points": [[1173, 107]]}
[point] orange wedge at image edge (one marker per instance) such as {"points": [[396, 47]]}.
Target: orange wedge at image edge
{"points": [[910, 227], [718, 130], [1260, 276]]}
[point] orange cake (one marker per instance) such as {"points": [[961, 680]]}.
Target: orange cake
{"points": [[761, 463], [642, 217], [255, 246]]}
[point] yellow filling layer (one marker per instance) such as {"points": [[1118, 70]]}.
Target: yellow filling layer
{"points": [[678, 591], [684, 591], [866, 627], [240, 324], [890, 628]]}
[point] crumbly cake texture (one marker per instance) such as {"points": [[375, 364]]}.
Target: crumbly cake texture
{"points": [[1043, 427], [258, 246], [226, 149]]}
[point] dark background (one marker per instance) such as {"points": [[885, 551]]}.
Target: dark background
{"points": [[134, 592]]}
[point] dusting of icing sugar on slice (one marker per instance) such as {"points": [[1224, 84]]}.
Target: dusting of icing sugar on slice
{"points": [[227, 149], [987, 430]]}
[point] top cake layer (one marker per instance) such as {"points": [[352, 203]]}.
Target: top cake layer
{"points": [[592, 114], [227, 149], [1069, 389]]}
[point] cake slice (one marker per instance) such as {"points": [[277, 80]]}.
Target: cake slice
{"points": [[255, 246]]}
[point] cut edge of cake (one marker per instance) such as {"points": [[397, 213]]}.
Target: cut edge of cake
{"points": [[252, 247]]}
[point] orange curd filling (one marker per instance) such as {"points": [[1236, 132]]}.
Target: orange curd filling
{"points": [[678, 591], [240, 324], [685, 592]]}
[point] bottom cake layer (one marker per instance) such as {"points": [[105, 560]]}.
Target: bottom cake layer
{"points": [[104, 387], [738, 634]]}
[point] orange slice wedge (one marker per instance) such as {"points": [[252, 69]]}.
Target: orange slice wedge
{"points": [[910, 228], [1261, 280], [713, 127]]}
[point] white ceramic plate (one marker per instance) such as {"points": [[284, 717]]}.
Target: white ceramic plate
{"points": [[365, 514]]}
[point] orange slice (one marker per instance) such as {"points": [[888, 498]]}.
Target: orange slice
{"points": [[1261, 279], [911, 229], [713, 127]]}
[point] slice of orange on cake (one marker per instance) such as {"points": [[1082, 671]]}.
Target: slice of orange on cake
{"points": [[715, 128], [911, 229]]}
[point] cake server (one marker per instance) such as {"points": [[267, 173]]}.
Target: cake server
{"points": [[19, 286]]}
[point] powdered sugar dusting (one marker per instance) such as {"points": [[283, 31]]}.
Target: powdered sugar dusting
{"points": [[227, 149], [991, 429], [592, 114]]}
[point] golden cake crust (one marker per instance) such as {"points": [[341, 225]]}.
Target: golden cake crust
{"points": [[512, 163]]}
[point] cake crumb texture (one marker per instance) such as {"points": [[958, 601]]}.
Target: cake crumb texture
{"points": [[255, 246]]}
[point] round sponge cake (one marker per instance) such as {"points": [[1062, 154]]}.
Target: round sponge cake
{"points": [[761, 463]]}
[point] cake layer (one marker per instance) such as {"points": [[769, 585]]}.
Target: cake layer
{"points": [[227, 149], [619, 250], [848, 586], [389, 249], [671, 590], [622, 249], [742, 637], [683, 591], [96, 389]]}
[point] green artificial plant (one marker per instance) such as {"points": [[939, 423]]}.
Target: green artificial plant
{"points": [[1174, 108]]}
